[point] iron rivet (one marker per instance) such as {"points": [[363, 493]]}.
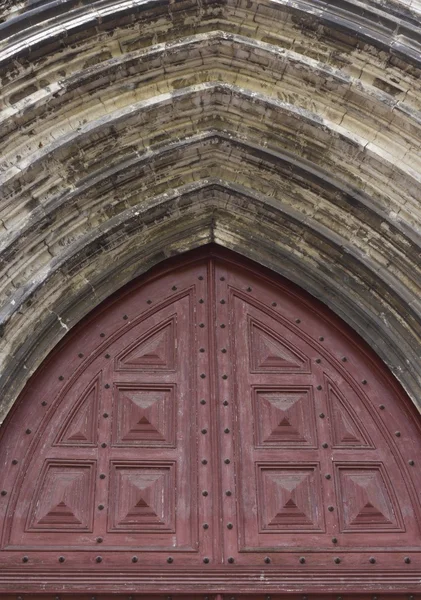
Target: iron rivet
{"points": [[107, 356], [398, 433], [322, 415], [80, 355], [411, 462], [57, 598], [148, 301], [105, 415], [222, 279], [61, 559], [174, 287], [249, 289], [304, 598], [407, 560], [134, 559], [205, 526], [103, 445], [100, 507], [344, 359], [202, 376], [267, 561], [204, 493], [268, 597], [25, 559], [274, 304], [230, 560], [204, 461], [204, 431], [61, 377], [228, 493], [224, 376], [222, 301], [302, 560], [102, 476], [3, 493], [225, 403], [224, 350], [99, 540], [337, 560], [335, 540], [28, 431], [200, 277], [227, 461], [298, 320], [107, 386], [372, 560], [43, 403], [203, 402], [170, 597], [170, 559], [325, 445], [330, 508], [382, 406], [125, 317], [98, 559], [328, 476], [319, 387], [230, 526], [19, 598], [226, 430], [201, 349], [102, 334], [222, 326], [201, 325], [321, 339], [206, 560], [15, 462], [318, 360], [201, 301]]}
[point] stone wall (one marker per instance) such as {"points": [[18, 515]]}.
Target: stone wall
{"points": [[134, 130]]}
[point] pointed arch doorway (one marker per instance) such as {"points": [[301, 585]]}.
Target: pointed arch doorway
{"points": [[211, 429]]}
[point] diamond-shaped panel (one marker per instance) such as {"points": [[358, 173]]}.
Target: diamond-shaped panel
{"points": [[144, 415], [143, 497]]}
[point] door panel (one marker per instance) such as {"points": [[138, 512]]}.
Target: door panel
{"points": [[212, 428]]}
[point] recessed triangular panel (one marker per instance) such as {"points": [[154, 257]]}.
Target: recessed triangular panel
{"points": [[144, 415], [347, 430], [366, 499], [143, 498], [63, 500], [81, 426], [289, 498], [271, 353], [284, 416], [154, 351]]}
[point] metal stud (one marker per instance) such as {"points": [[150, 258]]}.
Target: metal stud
{"points": [[337, 560], [125, 317], [321, 338], [203, 402], [230, 560], [204, 431], [372, 560], [398, 433], [3, 493], [134, 559], [202, 376], [319, 387], [102, 334], [224, 376], [228, 493], [411, 462], [230, 525], [222, 301], [225, 403], [170, 559], [43, 403], [318, 361], [80, 355], [25, 559], [28, 431], [100, 507], [267, 561], [107, 386], [148, 301], [382, 406], [205, 526], [407, 560], [249, 289], [201, 301], [204, 461], [222, 279], [61, 559], [102, 476], [222, 326], [61, 377], [364, 382], [99, 540], [205, 493], [14, 461], [107, 356], [201, 325], [224, 350], [105, 415], [227, 461], [335, 540], [330, 508], [200, 278], [201, 349], [298, 320], [325, 445], [322, 415], [344, 359], [206, 560], [98, 559], [174, 287], [302, 560], [328, 476], [226, 430]]}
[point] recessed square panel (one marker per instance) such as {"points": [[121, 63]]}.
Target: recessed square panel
{"points": [[144, 415], [284, 417], [142, 497]]}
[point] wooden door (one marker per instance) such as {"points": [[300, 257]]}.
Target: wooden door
{"points": [[211, 429]]}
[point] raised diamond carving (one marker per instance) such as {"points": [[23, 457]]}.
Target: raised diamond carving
{"points": [[366, 499], [144, 415], [347, 430], [154, 351], [81, 425], [284, 416], [143, 498], [269, 352], [64, 499], [288, 498]]}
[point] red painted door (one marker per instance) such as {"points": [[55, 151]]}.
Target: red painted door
{"points": [[211, 429]]}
